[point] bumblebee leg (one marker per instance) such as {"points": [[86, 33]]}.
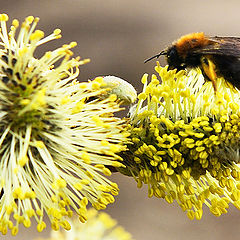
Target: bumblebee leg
{"points": [[208, 68]]}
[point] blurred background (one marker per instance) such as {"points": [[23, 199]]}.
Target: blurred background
{"points": [[117, 36]]}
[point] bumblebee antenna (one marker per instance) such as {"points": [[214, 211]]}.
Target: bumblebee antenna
{"points": [[164, 52]]}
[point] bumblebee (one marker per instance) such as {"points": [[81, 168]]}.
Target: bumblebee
{"points": [[216, 56]]}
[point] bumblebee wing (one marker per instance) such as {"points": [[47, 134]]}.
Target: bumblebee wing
{"points": [[227, 46]]}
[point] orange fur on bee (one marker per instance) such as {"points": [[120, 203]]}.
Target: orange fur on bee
{"points": [[191, 41]]}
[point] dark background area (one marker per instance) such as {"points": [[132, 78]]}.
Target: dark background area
{"points": [[117, 36]]}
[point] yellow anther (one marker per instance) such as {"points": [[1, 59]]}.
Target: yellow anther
{"points": [[29, 19], [37, 35], [22, 161], [86, 157], [113, 97], [142, 96], [4, 17], [39, 144], [57, 31]]}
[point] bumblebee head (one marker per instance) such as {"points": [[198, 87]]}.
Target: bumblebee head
{"points": [[172, 57]]}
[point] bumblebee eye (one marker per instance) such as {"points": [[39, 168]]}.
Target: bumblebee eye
{"points": [[172, 53]]}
